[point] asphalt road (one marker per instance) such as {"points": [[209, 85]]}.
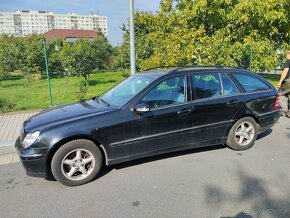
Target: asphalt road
{"points": [[215, 182]]}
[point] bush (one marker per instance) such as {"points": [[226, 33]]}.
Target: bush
{"points": [[82, 90], [6, 105]]}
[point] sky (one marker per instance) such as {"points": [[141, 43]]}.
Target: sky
{"points": [[117, 11]]}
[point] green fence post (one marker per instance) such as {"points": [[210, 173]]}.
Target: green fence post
{"points": [[251, 57], [47, 73]]}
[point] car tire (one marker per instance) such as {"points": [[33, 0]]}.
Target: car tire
{"points": [[76, 162], [243, 134]]}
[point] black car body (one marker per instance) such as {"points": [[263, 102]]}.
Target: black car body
{"points": [[179, 109]]}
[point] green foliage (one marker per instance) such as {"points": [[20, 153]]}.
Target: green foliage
{"points": [[123, 59], [10, 54], [84, 56], [79, 58], [6, 105], [202, 32], [54, 56], [82, 91], [32, 58]]}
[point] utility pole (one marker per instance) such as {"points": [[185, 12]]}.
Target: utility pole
{"points": [[132, 39], [47, 73]]}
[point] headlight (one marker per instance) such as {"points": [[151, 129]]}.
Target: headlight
{"points": [[30, 138]]}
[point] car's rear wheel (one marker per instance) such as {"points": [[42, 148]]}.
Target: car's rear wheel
{"points": [[243, 134], [76, 162]]}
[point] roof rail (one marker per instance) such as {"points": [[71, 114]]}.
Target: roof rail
{"points": [[195, 66], [211, 66], [160, 67]]}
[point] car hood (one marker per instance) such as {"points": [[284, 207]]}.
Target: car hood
{"points": [[66, 112]]}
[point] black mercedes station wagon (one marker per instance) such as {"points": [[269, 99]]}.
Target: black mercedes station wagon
{"points": [[148, 114]]}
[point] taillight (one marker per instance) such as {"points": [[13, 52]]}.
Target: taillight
{"points": [[277, 103]]}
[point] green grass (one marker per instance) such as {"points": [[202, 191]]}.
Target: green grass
{"points": [[274, 79], [33, 95]]}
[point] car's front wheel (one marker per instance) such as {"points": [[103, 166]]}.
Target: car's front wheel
{"points": [[243, 134], [76, 162]]}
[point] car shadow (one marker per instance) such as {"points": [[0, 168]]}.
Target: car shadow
{"points": [[107, 169], [264, 134]]}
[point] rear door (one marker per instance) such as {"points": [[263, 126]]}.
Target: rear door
{"points": [[216, 101]]}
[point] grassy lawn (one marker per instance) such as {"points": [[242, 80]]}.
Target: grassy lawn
{"points": [[274, 79], [33, 95]]}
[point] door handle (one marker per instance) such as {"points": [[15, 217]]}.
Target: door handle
{"points": [[233, 102], [184, 111]]}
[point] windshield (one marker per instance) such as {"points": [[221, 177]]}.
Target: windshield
{"points": [[126, 90]]}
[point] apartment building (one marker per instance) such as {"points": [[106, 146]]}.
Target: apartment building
{"points": [[20, 23]]}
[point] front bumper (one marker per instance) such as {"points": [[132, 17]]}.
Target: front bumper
{"points": [[33, 160]]}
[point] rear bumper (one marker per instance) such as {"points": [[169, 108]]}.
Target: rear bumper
{"points": [[33, 160], [269, 120]]}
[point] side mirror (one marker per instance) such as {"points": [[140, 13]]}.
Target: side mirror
{"points": [[141, 108]]}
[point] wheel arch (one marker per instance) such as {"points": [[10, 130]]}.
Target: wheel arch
{"points": [[61, 142], [241, 117], [230, 135]]}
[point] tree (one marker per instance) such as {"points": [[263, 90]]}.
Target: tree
{"points": [[54, 49], [32, 55], [10, 54], [84, 56], [203, 32]]}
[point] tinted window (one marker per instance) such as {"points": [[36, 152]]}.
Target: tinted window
{"points": [[171, 91], [251, 83], [229, 87], [206, 85]]}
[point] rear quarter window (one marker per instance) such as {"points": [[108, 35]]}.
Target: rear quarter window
{"points": [[251, 83]]}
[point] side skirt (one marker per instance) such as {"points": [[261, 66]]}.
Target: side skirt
{"points": [[169, 150]]}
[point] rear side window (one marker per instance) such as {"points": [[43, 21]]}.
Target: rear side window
{"points": [[206, 85], [251, 83], [229, 88]]}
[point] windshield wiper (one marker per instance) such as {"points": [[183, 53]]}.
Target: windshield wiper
{"points": [[102, 100], [96, 98]]}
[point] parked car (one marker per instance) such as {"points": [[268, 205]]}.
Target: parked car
{"points": [[148, 114]]}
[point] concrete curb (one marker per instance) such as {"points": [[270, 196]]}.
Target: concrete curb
{"points": [[7, 149], [20, 112]]}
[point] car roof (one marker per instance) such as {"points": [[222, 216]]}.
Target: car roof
{"points": [[158, 72]]}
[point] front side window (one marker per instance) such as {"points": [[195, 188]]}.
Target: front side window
{"points": [[206, 85], [250, 83], [171, 91], [126, 90]]}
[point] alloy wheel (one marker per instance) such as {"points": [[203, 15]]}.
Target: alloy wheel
{"points": [[78, 164], [244, 133]]}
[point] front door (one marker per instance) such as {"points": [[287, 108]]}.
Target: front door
{"points": [[167, 125]]}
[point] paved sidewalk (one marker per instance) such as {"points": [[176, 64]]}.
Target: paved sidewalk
{"points": [[10, 127], [9, 158]]}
